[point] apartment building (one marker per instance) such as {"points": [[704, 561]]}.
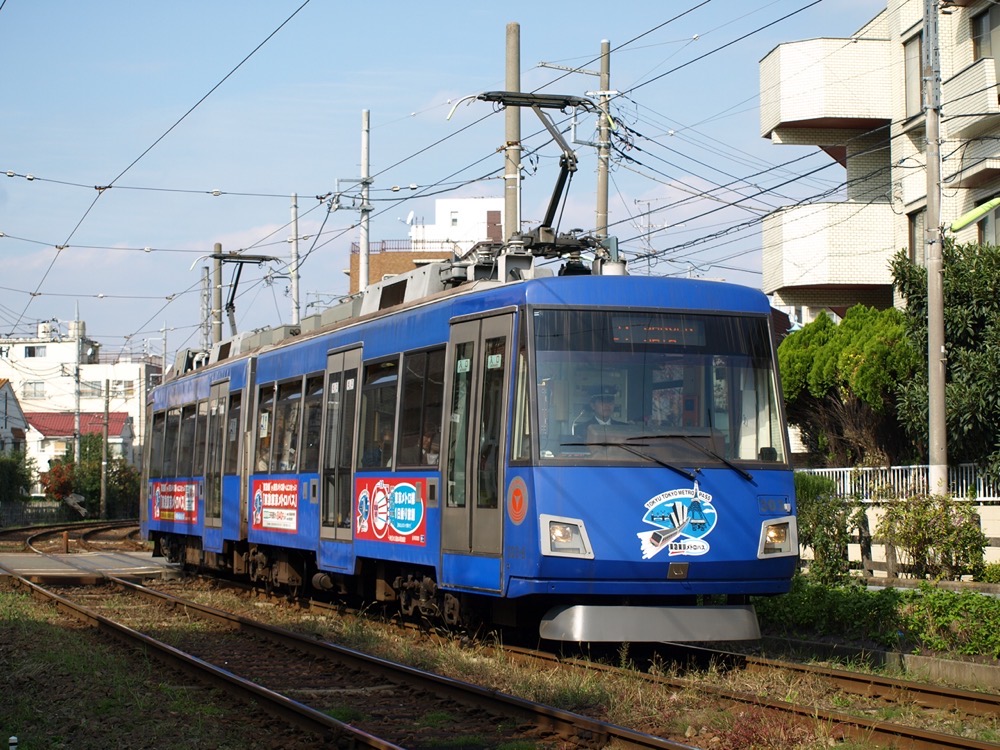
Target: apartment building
{"points": [[13, 426], [47, 370], [860, 100], [459, 223]]}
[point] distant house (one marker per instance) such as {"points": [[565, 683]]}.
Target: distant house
{"points": [[13, 426], [50, 434]]}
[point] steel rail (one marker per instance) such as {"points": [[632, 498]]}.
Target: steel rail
{"points": [[858, 728], [931, 696], [278, 705], [564, 723]]}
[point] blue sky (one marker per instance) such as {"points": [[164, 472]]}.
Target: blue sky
{"points": [[136, 96]]}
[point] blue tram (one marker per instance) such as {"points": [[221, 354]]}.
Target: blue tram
{"points": [[598, 456]]}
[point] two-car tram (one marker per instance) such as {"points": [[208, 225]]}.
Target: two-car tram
{"points": [[603, 457]]}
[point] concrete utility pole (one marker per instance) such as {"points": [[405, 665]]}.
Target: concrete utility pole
{"points": [[206, 309], [104, 450], [294, 268], [366, 207], [937, 433], [512, 148], [216, 296], [603, 146], [78, 340], [163, 376]]}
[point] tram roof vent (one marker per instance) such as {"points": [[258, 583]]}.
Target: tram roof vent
{"points": [[226, 349], [423, 281]]}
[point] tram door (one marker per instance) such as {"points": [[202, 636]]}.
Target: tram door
{"points": [[216, 444], [342, 388], [472, 519]]}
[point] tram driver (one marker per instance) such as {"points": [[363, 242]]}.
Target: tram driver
{"points": [[602, 408]]}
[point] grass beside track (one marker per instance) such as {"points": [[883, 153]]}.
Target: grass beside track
{"points": [[65, 686]]}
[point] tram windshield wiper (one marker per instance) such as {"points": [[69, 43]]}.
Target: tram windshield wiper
{"points": [[707, 451], [634, 451]]}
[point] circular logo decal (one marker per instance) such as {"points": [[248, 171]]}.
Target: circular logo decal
{"points": [[517, 501]]}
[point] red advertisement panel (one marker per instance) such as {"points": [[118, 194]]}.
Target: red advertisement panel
{"points": [[388, 509], [275, 505], [175, 501]]}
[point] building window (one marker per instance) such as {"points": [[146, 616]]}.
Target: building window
{"points": [[454, 218], [33, 389], [913, 64], [34, 351], [986, 26], [917, 240], [981, 42], [988, 228], [91, 389], [123, 388]]}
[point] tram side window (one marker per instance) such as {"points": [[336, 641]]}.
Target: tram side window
{"points": [[170, 435], [200, 439], [522, 411], [420, 416], [156, 445], [287, 411], [312, 423], [378, 414], [265, 424], [461, 403], [491, 422], [232, 458], [189, 425]]}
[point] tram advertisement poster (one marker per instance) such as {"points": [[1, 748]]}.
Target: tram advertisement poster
{"points": [[275, 505], [388, 510], [175, 501]]}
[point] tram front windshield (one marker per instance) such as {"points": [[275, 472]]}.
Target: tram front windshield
{"points": [[645, 387]]}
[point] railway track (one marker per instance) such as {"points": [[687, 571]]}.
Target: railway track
{"points": [[73, 537], [872, 732], [302, 680], [878, 732], [941, 702]]}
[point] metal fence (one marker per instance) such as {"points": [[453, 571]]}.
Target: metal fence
{"points": [[20, 513], [878, 486], [870, 484]]}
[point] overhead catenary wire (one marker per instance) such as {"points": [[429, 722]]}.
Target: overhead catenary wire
{"points": [[102, 189], [320, 238]]}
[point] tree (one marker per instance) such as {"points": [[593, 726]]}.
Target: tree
{"points": [[972, 337], [64, 478], [840, 385], [17, 472]]}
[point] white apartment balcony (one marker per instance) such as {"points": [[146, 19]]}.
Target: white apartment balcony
{"points": [[828, 245], [970, 105], [974, 165], [824, 91]]}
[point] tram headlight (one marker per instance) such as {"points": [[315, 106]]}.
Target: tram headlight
{"points": [[778, 537], [564, 537]]}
